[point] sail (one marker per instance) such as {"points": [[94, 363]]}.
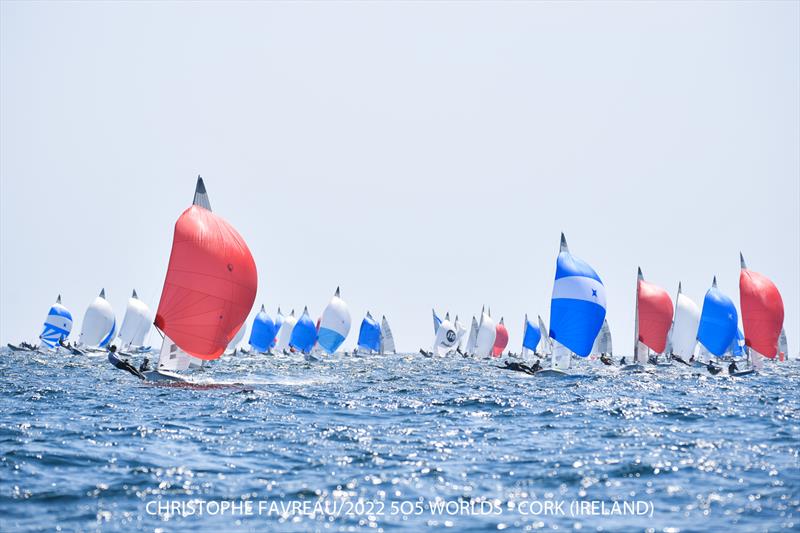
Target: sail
{"points": [[262, 334], [718, 321], [783, 346], [172, 358], [461, 333], [99, 323], [436, 321], [500, 339], [602, 344], [561, 358], [334, 324], [446, 338], [304, 333], [578, 306], [762, 311], [57, 325], [654, 314], [531, 337], [547, 342], [285, 333], [369, 335], [136, 323], [387, 339], [472, 339], [278, 323], [211, 282], [737, 346], [487, 331], [237, 338], [684, 326]]}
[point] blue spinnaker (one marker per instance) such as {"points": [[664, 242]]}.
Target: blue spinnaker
{"points": [[369, 336], [262, 334], [304, 334], [718, 321], [532, 336]]}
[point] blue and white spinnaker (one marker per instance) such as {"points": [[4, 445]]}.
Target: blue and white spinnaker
{"points": [[334, 324], [531, 337], [718, 321], [304, 333], [369, 335], [99, 323], [262, 334], [578, 306], [57, 325]]}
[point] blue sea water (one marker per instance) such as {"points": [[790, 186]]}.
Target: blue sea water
{"points": [[378, 443]]}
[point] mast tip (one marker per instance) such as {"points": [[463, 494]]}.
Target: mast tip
{"points": [[200, 195], [103, 292], [741, 260], [564, 247], [641, 276]]}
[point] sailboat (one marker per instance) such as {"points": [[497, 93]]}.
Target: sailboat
{"points": [[461, 333], [783, 346], [653, 320], [472, 338], [603, 342], [718, 321], [446, 338], [334, 324], [304, 333], [99, 325], [683, 334], [487, 333], [135, 325], [577, 310], [500, 338], [762, 313], [57, 325], [369, 335], [262, 333], [546, 346], [208, 292], [531, 337], [387, 339], [285, 333], [233, 346]]}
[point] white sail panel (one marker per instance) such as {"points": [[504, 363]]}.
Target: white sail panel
{"points": [[387, 339], [173, 359], [487, 333], [135, 324], [684, 326], [446, 338], [237, 338], [285, 333], [334, 325], [561, 358], [473, 336], [98, 322]]}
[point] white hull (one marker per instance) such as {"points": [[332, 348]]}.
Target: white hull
{"points": [[552, 372], [632, 368], [164, 376]]}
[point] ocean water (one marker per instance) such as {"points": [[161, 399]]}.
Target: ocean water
{"points": [[395, 443]]}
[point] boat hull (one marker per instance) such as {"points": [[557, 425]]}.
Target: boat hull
{"points": [[632, 368], [552, 372]]}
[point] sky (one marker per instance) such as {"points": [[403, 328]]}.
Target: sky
{"points": [[416, 154]]}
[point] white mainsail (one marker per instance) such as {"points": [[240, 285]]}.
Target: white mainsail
{"points": [[461, 332], [136, 323], [473, 336], [387, 339], [98, 323], [173, 359], [684, 326], [561, 358], [602, 343], [546, 343], [487, 332], [285, 333]]}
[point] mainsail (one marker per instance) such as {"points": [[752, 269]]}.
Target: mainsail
{"points": [[762, 311], [461, 333], [683, 335], [486, 336], [446, 337], [278, 323], [387, 339], [211, 281], [334, 324], [531, 337], [547, 342], [304, 333], [173, 359], [99, 323], [57, 325], [136, 323], [653, 318], [472, 339], [369, 335], [500, 339], [578, 306], [718, 321], [262, 334], [603, 344]]}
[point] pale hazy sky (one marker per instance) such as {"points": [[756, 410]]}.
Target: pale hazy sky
{"points": [[417, 154]]}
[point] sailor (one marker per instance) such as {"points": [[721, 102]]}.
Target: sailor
{"points": [[623, 361], [713, 370], [145, 366], [732, 368], [121, 363], [605, 359], [536, 366]]}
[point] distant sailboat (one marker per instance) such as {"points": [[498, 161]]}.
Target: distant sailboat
{"points": [[234, 344], [208, 292], [262, 334], [369, 335], [530, 338], [334, 324], [304, 333], [487, 333], [279, 318], [718, 321], [603, 343], [461, 333], [653, 320], [500, 339], [783, 346], [472, 338], [285, 333], [683, 335], [57, 325], [387, 339], [446, 338], [99, 324], [577, 309], [135, 325], [762, 313], [546, 342]]}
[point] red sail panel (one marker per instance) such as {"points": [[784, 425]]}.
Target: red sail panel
{"points": [[500, 340], [655, 315], [210, 286], [762, 312]]}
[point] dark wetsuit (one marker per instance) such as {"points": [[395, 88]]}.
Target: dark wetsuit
{"points": [[122, 364], [713, 370], [732, 368], [623, 361], [606, 360], [521, 367]]}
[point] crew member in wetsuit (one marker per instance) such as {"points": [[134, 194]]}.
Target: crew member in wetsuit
{"points": [[121, 363], [536, 366], [623, 361], [713, 370], [145, 366], [732, 368], [605, 359]]}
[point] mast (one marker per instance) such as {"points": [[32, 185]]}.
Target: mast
{"points": [[636, 328]]}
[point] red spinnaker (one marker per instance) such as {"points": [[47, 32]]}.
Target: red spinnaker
{"points": [[210, 286], [762, 312], [500, 339], [655, 315]]}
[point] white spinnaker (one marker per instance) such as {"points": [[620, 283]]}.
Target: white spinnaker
{"points": [[461, 333], [561, 357], [285, 334], [684, 326], [487, 332], [545, 343], [237, 338], [446, 338], [173, 359], [97, 322], [473, 336], [387, 339], [136, 323]]}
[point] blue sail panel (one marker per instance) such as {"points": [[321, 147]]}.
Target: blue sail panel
{"points": [[737, 346], [330, 340], [304, 334], [57, 325], [718, 322], [578, 306], [110, 336], [532, 336], [369, 336], [262, 334]]}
